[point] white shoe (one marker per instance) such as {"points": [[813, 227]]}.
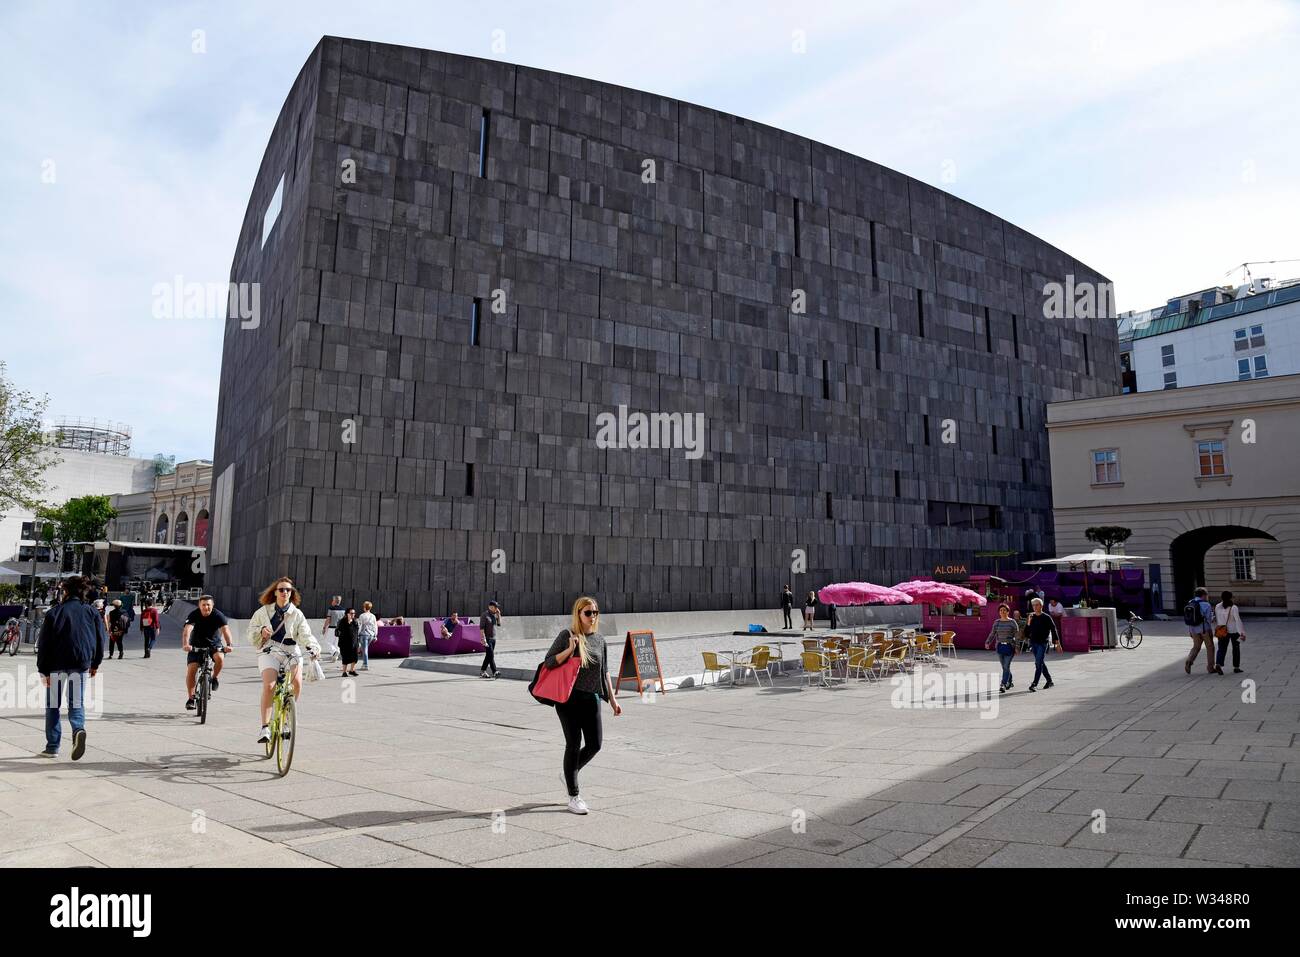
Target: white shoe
{"points": [[577, 805], [265, 736]]}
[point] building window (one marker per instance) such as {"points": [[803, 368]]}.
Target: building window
{"points": [[1256, 337], [160, 530], [1243, 369], [963, 515], [1126, 362], [475, 317], [1261, 366], [1105, 466], [1210, 458], [1166, 356], [1239, 340], [272, 213], [484, 131], [1243, 565], [1171, 380]]}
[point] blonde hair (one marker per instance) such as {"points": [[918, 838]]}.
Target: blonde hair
{"points": [[366, 606], [576, 629], [268, 597]]}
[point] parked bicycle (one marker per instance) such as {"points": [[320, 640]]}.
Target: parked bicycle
{"points": [[13, 637], [1131, 636]]}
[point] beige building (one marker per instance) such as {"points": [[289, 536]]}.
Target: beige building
{"points": [[176, 512], [1208, 479]]}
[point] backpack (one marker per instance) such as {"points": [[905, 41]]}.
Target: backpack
{"points": [[1192, 614]]}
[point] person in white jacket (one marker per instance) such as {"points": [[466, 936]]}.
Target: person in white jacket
{"points": [[1228, 628], [280, 632]]}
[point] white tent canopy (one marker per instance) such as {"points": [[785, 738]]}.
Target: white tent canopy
{"points": [[1080, 557]]}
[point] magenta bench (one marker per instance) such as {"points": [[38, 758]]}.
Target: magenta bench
{"points": [[393, 641], [466, 639]]}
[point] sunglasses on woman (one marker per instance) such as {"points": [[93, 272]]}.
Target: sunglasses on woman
{"points": [[288, 590], [591, 613]]}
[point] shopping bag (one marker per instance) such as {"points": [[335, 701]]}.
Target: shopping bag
{"points": [[553, 686], [312, 671]]}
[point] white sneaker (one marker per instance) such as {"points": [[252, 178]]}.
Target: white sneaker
{"points": [[577, 805], [265, 736]]}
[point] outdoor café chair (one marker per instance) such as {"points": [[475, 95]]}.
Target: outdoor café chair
{"points": [[812, 644], [759, 662], [816, 665], [862, 661], [948, 644], [894, 659], [714, 667]]}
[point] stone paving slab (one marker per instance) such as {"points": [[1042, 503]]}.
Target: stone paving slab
{"points": [[413, 768]]}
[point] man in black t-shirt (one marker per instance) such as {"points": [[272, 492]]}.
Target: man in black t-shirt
{"points": [[206, 631], [488, 622]]}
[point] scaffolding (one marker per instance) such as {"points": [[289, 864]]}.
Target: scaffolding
{"points": [[91, 435]]}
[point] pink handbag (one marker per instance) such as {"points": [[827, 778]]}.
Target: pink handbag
{"points": [[553, 686]]}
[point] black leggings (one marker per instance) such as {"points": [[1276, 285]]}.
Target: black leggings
{"points": [[580, 718]]}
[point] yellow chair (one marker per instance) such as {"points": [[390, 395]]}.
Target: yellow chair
{"points": [[712, 666], [812, 644], [759, 662], [948, 643], [862, 661], [815, 664], [894, 658]]}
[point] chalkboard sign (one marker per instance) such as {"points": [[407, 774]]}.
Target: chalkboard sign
{"points": [[640, 662]]}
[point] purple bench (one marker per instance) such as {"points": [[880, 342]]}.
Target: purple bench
{"points": [[466, 639], [394, 641]]}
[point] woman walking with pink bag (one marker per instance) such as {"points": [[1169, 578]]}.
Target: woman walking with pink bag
{"points": [[580, 713]]}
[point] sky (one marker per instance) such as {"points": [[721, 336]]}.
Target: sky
{"points": [[1156, 142]]}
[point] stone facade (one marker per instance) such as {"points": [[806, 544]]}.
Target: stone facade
{"points": [[824, 314]]}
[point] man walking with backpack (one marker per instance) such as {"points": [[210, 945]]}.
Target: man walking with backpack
{"points": [[1198, 616]]}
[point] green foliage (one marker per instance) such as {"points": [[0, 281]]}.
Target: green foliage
{"points": [[1108, 536], [83, 519], [25, 448], [164, 464], [12, 594]]}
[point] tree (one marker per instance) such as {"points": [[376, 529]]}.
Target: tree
{"points": [[25, 447], [1108, 536], [164, 464], [83, 519]]}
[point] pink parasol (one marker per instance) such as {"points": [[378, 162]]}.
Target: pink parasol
{"points": [[862, 593], [940, 594]]}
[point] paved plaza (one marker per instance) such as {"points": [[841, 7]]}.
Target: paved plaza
{"points": [[1127, 761]]}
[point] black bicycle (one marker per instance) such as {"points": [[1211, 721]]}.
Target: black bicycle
{"points": [[203, 684], [1131, 636]]}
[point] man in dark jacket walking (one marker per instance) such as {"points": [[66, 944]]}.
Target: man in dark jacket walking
{"points": [[787, 605], [71, 645]]}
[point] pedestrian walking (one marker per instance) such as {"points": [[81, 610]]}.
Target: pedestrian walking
{"points": [[834, 615], [1003, 636], [118, 624], [367, 631], [1228, 629], [1197, 616], [580, 715], [149, 625], [333, 615], [345, 633], [71, 647], [1041, 631], [489, 621], [809, 609], [787, 606]]}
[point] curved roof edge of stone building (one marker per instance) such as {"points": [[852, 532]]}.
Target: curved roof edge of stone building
{"points": [[388, 62]]}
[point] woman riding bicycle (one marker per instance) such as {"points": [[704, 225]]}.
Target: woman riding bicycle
{"points": [[279, 630]]}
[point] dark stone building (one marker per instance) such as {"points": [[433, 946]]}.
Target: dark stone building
{"points": [[464, 264]]}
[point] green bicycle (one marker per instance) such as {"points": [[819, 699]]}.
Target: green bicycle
{"points": [[284, 720]]}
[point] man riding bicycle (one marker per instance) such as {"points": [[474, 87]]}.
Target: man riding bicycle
{"points": [[206, 631], [280, 632]]}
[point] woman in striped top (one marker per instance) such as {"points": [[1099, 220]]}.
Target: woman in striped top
{"points": [[1004, 634]]}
